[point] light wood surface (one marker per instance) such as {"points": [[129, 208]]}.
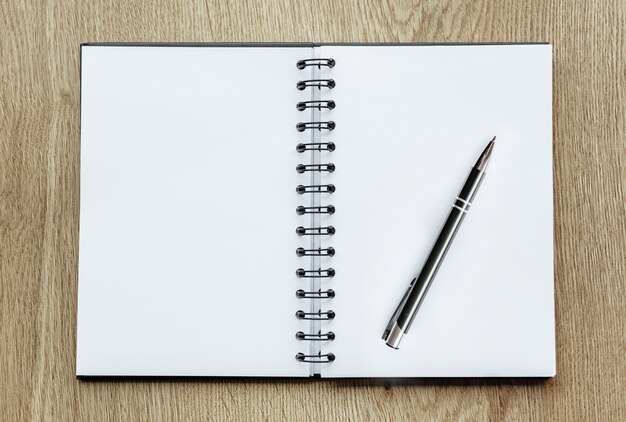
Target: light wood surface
{"points": [[39, 192]]}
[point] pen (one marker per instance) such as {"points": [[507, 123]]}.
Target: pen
{"points": [[404, 315]]}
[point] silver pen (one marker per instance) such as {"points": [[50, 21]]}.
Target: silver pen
{"points": [[404, 315]]}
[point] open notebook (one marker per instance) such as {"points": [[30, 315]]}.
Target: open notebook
{"points": [[188, 240]]}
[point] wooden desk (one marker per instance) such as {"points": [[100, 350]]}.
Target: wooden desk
{"points": [[39, 187]]}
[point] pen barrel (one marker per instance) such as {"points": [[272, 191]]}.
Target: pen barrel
{"points": [[438, 252]]}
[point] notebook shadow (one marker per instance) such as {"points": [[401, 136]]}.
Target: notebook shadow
{"points": [[386, 383]]}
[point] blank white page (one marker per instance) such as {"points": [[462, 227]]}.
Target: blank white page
{"points": [[411, 121], [187, 211]]}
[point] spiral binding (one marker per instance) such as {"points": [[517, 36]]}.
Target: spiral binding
{"points": [[315, 231], [302, 126], [301, 64], [315, 189], [302, 273], [330, 336], [314, 295], [316, 252], [318, 104], [319, 358], [320, 294], [301, 168], [315, 83], [319, 315], [316, 146], [327, 209]]}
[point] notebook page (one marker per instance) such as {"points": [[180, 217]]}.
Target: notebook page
{"points": [[411, 121], [187, 211]]}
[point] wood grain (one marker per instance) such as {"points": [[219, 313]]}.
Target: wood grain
{"points": [[39, 186]]}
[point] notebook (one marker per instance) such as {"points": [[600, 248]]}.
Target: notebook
{"points": [[259, 210]]}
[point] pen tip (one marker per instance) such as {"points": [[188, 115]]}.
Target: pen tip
{"points": [[481, 164]]}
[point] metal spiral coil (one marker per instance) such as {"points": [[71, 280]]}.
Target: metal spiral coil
{"points": [[301, 64], [315, 83], [302, 126], [301, 189], [318, 104], [315, 231], [301, 168], [319, 315], [326, 209], [327, 273], [320, 294], [319, 358], [316, 252], [329, 336], [316, 146], [314, 209]]}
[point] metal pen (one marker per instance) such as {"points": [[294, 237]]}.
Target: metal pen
{"points": [[404, 315]]}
